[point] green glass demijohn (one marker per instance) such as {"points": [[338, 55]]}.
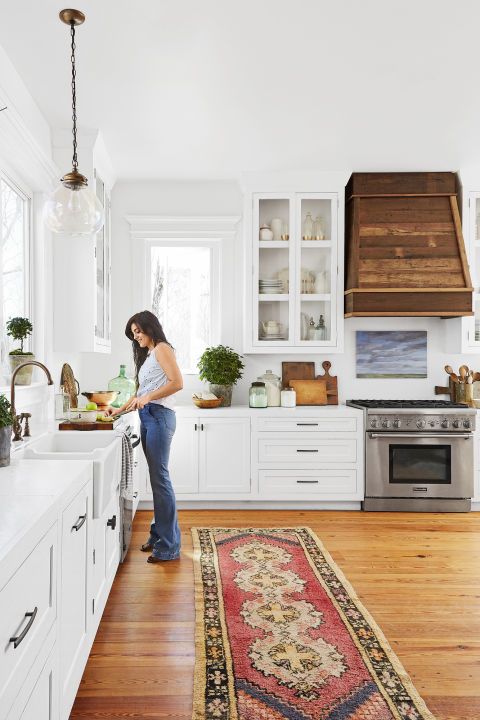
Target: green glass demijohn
{"points": [[125, 387]]}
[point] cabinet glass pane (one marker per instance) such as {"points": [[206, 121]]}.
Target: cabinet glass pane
{"points": [[108, 262], [274, 270]]}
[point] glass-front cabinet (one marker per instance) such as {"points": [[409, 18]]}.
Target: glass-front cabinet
{"points": [[103, 272], [295, 284]]}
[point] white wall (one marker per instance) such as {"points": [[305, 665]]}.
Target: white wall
{"points": [[224, 198]]}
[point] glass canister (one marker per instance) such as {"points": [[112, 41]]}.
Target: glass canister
{"points": [[62, 404], [125, 387], [273, 387], [288, 397], [257, 396]]}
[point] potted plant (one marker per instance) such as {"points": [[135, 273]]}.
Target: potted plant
{"points": [[5, 431], [221, 367], [19, 329]]}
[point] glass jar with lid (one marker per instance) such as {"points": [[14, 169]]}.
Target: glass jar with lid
{"points": [[273, 387], [288, 397], [257, 396]]}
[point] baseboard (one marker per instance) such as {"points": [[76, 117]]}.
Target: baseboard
{"points": [[257, 505]]}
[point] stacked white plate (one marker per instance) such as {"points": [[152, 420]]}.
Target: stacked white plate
{"points": [[271, 287]]}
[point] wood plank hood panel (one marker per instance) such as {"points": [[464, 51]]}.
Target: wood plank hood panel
{"points": [[404, 251]]}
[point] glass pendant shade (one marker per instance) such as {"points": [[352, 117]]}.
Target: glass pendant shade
{"points": [[73, 212]]}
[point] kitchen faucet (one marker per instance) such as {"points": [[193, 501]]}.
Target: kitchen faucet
{"points": [[17, 427]]}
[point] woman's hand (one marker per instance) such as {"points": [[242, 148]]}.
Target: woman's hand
{"points": [[111, 411], [137, 403]]}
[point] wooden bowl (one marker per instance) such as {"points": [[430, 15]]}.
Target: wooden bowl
{"points": [[205, 404]]}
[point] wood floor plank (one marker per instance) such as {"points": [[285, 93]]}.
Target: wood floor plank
{"points": [[417, 575]]}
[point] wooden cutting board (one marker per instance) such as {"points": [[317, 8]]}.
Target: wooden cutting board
{"points": [[310, 392], [67, 425], [330, 382], [297, 371]]}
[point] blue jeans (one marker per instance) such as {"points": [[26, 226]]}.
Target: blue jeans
{"points": [[157, 426]]}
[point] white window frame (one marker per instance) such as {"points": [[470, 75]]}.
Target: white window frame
{"points": [[166, 231], [10, 178]]}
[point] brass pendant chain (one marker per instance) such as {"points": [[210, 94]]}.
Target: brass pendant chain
{"points": [[74, 100]]}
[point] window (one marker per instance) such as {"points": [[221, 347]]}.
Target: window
{"points": [[14, 255], [182, 291]]}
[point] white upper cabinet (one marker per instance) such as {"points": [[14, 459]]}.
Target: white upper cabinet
{"points": [[294, 272]]}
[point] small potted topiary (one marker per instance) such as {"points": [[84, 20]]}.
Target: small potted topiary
{"points": [[5, 431], [222, 368], [19, 329]]}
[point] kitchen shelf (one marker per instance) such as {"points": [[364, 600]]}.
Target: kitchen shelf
{"points": [[312, 297], [263, 297], [273, 244], [317, 244]]}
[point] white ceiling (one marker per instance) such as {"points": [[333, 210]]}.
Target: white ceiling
{"points": [[189, 89]]}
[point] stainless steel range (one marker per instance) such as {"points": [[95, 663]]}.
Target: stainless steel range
{"points": [[418, 455]]}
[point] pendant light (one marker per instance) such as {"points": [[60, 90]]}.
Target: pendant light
{"points": [[72, 208]]}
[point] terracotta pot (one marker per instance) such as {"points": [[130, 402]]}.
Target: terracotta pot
{"points": [[24, 377], [5, 442], [224, 391]]}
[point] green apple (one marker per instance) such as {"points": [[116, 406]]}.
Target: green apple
{"points": [[91, 406]]}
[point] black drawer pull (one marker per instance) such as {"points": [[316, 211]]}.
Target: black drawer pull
{"points": [[112, 522], [79, 523], [307, 450], [303, 424], [135, 494], [18, 639], [135, 444], [307, 482]]}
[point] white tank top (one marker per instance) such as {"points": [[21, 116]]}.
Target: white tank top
{"points": [[152, 377]]}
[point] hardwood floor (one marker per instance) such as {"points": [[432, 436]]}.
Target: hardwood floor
{"points": [[418, 575]]}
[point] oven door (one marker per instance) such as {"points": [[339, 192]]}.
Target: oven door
{"points": [[406, 465]]}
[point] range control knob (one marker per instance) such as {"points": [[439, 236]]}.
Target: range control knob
{"points": [[396, 423], [421, 423], [445, 423], [466, 423], [386, 423], [373, 423], [456, 423], [432, 423]]}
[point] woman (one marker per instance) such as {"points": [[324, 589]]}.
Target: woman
{"points": [[158, 378]]}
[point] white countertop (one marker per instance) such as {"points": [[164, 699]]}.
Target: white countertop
{"points": [[30, 494], [191, 410]]}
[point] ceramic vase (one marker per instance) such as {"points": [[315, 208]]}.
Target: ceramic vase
{"points": [[224, 391], [24, 377]]}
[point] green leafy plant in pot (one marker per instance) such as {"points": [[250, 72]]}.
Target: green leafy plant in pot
{"points": [[19, 329], [222, 368], [5, 430]]}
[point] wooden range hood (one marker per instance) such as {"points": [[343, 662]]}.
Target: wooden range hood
{"points": [[404, 249]]}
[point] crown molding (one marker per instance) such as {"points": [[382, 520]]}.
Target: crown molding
{"points": [[180, 227], [20, 150]]}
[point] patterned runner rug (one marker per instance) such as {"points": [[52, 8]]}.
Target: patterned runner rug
{"points": [[280, 634]]}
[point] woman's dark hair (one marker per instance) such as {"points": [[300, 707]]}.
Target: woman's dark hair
{"points": [[148, 323]]}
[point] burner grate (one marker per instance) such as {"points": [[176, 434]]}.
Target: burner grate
{"points": [[406, 404]]}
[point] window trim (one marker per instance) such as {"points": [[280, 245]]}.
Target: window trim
{"points": [[187, 230], [12, 179]]}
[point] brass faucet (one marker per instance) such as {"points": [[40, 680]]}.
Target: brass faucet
{"points": [[17, 428]]}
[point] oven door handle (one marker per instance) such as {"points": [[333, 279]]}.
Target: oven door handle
{"points": [[447, 436]]}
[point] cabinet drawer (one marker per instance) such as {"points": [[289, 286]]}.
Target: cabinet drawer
{"points": [[306, 424], [28, 603], [308, 448], [333, 484]]}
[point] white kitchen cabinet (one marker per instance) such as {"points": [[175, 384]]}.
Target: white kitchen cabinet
{"points": [[38, 698], [75, 606], [294, 282], [105, 555], [224, 455], [309, 454], [210, 456], [82, 287], [29, 608]]}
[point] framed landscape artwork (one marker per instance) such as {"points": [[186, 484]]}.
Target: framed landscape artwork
{"points": [[391, 354]]}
